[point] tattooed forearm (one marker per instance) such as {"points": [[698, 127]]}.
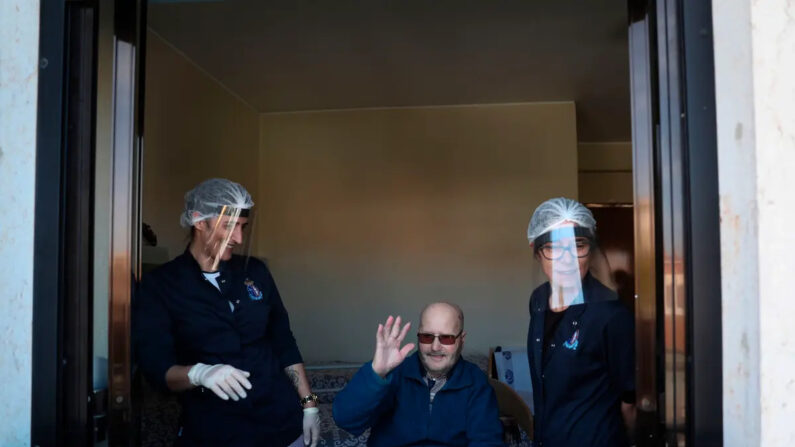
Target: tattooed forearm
{"points": [[293, 375], [297, 375]]}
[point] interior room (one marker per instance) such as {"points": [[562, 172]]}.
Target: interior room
{"points": [[394, 150]]}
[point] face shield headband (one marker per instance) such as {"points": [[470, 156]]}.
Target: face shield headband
{"points": [[560, 233], [232, 211]]}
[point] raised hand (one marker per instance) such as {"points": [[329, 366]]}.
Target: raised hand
{"points": [[388, 353]]}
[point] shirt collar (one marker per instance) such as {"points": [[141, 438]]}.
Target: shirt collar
{"points": [[455, 377], [189, 261]]}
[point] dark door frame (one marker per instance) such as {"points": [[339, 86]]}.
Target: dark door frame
{"points": [[677, 220], [128, 93], [705, 381], [45, 397], [78, 219], [63, 405], [61, 400]]}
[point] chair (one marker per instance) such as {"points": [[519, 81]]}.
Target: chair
{"points": [[514, 412]]}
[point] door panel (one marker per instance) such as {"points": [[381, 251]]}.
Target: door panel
{"points": [[125, 215]]}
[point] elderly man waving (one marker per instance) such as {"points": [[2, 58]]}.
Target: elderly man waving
{"points": [[431, 397]]}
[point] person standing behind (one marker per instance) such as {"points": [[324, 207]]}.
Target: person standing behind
{"points": [[211, 326], [581, 339], [431, 397]]}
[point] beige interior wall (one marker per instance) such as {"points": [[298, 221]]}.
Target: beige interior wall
{"points": [[195, 129], [372, 212], [605, 172]]}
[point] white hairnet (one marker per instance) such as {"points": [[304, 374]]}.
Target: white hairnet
{"points": [[556, 211], [209, 197]]}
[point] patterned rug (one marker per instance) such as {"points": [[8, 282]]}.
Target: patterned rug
{"points": [[326, 382], [160, 411]]}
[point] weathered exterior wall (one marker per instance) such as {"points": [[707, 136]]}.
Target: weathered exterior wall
{"points": [[755, 89], [19, 49]]}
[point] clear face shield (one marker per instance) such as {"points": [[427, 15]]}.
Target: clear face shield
{"points": [[570, 259], [225, 235]]}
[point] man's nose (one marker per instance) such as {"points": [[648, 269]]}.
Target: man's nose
{"points": [[436, 345], [237, 235]]}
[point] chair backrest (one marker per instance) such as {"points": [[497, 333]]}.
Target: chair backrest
{"points": [[511, 404]]}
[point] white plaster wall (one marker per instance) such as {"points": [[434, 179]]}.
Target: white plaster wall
{"points": [[773, 47], [755, 89], [19, 42]]}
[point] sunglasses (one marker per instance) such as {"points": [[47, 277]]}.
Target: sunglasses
{"points": [[445, 339]]}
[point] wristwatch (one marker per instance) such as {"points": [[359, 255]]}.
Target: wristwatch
{"points": [[309, 398]]}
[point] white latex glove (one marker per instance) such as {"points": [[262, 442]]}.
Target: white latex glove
{"points": [[311, 426], [224, 380]]}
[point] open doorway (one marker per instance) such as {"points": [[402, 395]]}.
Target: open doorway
{"points": [[395, 152], [455, 75]]}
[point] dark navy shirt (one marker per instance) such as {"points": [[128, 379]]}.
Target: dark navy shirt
{"points": [[398, 410], [180, 318], [588, 366]]}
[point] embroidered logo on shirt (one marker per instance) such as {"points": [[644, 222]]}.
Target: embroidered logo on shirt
{"points": [[253, 292], [573, 341]]}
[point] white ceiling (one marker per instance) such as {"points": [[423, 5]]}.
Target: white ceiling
{"points": [[311, 55]]}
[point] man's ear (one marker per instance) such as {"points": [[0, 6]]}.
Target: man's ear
{"points": [[200, 225], [463, 336]]}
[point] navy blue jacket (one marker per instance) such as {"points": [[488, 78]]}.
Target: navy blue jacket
{"points": [[579, 382], [397, 408], [180, 318]]}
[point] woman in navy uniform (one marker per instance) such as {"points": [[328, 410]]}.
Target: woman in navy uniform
{"points": [[580, 343], [211, 325]]}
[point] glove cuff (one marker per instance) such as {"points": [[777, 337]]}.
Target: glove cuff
{"points": [[195, 373], [311, 410]]}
